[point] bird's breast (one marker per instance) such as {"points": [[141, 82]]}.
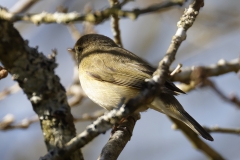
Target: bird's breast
{"points": [[105, 94]]}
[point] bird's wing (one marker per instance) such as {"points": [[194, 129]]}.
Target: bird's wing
{"points": [[130, 71]]}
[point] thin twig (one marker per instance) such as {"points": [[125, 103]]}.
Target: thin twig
{"points": [[77, 96], [8, 120], [11, 90], [193, 76], [22, 6], [176, 70], [115, 24], [74, 31], [217, 129], [233, 99], [220, 68], [96, 17]]}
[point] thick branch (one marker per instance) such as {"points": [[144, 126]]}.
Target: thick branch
{"points": [[35, 75], [186, 21], [96, 17], [119, 139], [101, 125]]}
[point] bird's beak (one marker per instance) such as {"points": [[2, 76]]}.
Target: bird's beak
{"points": [[71, 50]]}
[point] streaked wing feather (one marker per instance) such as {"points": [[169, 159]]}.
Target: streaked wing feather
{"points": [[131, 71], [128, 73]]}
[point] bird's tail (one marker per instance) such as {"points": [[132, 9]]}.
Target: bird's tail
{"points": [[170, 106]]}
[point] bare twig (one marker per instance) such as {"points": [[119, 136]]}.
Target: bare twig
{"points": [[3, 73], [88, 28], [77, 95], [115, 24], [217, 129], [22, 6], [233, 99], [192, 77], [8, 120], [119, 139], [220, 68], [176, 70], [11, 90], [74, 31], [96, 17]]}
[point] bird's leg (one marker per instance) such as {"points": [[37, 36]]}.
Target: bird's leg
{"points": [[123, 125]]}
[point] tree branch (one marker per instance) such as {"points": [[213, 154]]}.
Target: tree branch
{"points": [[217, 129], [101, 125], [7, 91], [115, 24], [35, 75], [119, 139], [96, 17], [186, 21], [220, 68], [233, 99], [7, 122]]}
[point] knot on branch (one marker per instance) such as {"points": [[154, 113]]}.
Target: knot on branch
{"points": [[199, 74]]}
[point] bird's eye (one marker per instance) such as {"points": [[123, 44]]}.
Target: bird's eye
{"points": [[79, 49]]}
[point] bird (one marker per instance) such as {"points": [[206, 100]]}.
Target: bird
{"points": [[110, 74]]}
